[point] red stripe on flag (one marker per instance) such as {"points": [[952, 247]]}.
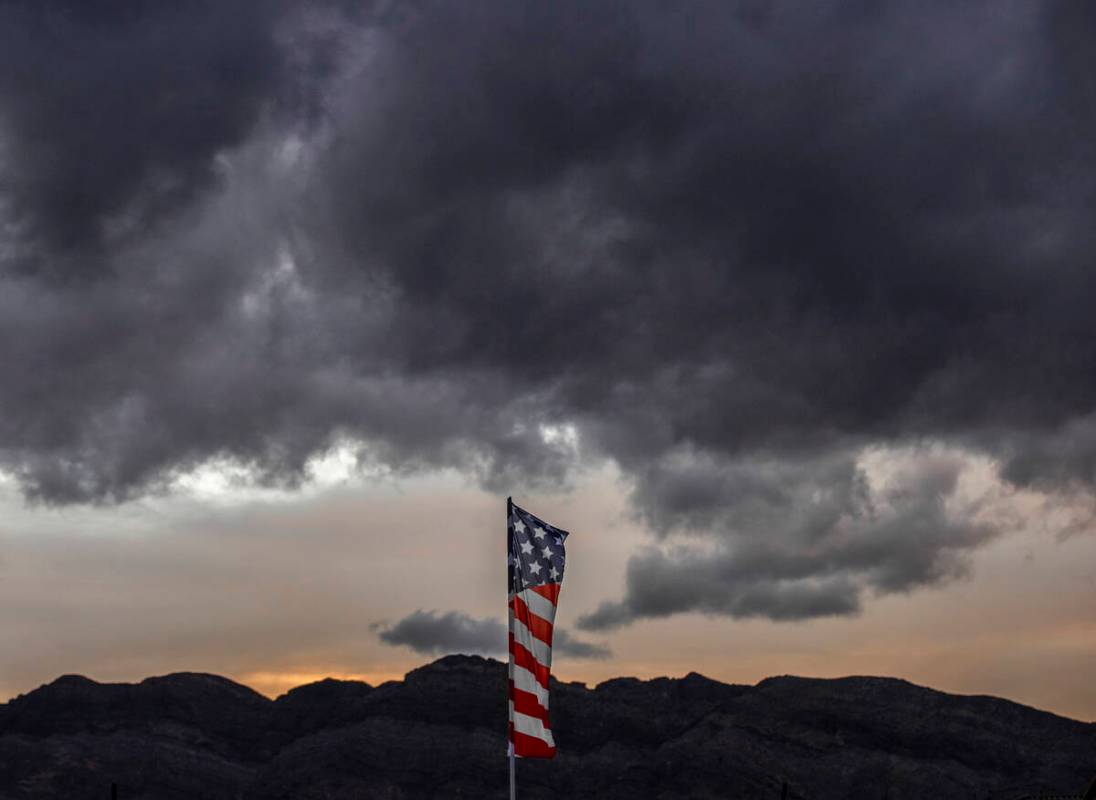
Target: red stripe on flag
{"points": [[527, 746], [538, 626], [523, 658], [549, 591], [529, 705]]}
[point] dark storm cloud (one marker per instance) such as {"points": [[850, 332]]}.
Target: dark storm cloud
{"points": [[111, 114], [432, 632], [705, 237]]}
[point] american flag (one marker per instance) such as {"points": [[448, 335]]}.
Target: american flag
{"points": [[535, 572]]}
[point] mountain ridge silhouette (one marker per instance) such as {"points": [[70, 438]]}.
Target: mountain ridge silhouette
{"points": [[440, 733]]}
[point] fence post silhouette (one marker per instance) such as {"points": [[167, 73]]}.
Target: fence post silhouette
{"points": [[784, 791], [114, 791]]}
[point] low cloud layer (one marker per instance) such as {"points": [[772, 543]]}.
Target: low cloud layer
{"points": [[432, 633], [768, 540], [724, 247]]}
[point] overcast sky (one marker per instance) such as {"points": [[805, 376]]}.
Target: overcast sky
{"points": [[784, 310]]}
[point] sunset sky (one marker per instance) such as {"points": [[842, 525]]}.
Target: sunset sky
{"points": [[784, 310]]}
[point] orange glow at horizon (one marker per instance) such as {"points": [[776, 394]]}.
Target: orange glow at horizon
{"points": [[274, 684]]}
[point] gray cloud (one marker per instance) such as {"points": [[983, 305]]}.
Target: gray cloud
{"points": [[793, 542], [1053, 458], [431, 632], [567, 645], [745, 233], [453, 632]]}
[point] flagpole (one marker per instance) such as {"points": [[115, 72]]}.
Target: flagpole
{"points": [[510, 744]]}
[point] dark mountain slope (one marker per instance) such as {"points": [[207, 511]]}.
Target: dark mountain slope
{"points": [[439, 734]]}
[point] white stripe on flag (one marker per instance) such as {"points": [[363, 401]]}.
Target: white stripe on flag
{"points": [[539, 605], [522, 635], [531, 726], [526, 681]]}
